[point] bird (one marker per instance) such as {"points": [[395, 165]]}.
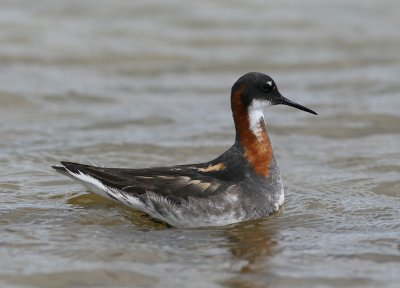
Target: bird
{"points": [[243, 183]]}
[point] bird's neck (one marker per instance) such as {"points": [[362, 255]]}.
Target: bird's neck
{"points": [[251, 134]]}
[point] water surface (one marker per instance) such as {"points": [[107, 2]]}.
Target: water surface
{"points": [[139, 84]]}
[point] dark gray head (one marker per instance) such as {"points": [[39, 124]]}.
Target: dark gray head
{"points": [[257, 90]]}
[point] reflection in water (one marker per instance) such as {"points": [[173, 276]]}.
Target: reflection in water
{"points": [[125, 214], [251, 242]]}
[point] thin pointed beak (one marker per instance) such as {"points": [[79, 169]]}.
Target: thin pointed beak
{"points": [[288, 102]]}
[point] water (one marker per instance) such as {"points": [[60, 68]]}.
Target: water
{"points": [[140, 84]]}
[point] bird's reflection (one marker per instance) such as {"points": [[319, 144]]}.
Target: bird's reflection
{"points": [[252, 243], [138, 218]]}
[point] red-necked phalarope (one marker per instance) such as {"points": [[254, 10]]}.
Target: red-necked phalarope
{"points": [[243, 183]]}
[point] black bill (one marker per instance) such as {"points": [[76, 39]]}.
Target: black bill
{"points": [[287, 102]]}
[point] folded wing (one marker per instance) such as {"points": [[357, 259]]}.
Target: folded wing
{"points": [[175, 184]]}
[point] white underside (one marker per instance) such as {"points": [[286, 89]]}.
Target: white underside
{"points": [[100, 189]]}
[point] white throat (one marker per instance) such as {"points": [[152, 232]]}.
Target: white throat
{"points": [[256, 117]]}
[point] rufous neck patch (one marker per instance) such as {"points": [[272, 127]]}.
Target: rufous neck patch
{"points": [[257, 148]]}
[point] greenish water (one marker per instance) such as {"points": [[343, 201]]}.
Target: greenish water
{"points": [[139, 84]]}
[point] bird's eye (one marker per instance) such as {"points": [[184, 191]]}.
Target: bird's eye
{"points": [[267, 86]]}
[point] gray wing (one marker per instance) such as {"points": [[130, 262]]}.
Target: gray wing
{"points": [[177, 183]]}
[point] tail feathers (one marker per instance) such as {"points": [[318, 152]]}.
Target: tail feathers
{"points": [[99, 182], [69, 167], [78, 172], [74, 167], [60, 169]]}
